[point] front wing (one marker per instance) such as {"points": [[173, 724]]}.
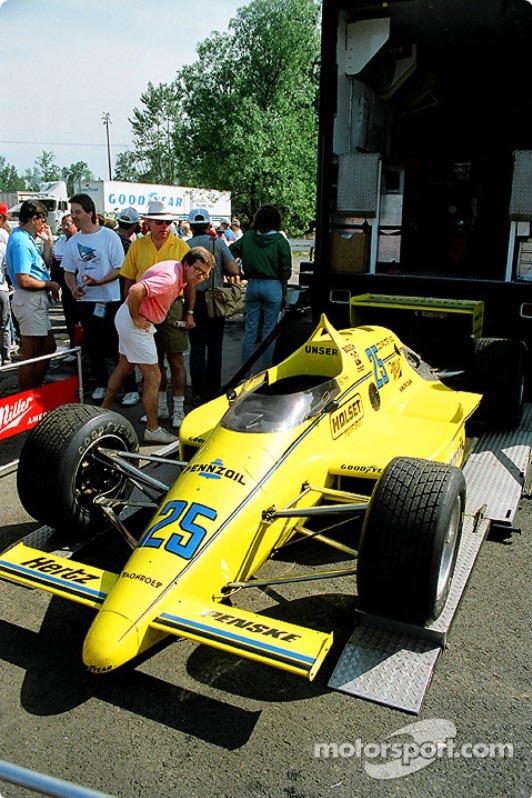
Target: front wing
{"points": [[246, 634]]}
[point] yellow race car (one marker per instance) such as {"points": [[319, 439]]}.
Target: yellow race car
{"points": [[351, 424]]}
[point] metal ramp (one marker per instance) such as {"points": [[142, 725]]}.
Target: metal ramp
{"points": [[392, 663]]}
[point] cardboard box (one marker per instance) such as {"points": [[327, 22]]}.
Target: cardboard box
{"points": [[349, 251]]}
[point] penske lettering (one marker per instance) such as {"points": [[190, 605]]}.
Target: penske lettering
{"points": [[348, 415], [252, 626], [215, 470], [46, 565], [142, 578]]}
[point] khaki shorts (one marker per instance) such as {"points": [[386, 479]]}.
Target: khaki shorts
{"points": [[31, 310], [170, 339]]}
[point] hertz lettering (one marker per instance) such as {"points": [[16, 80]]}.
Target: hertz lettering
{"points": [[346, 416], [142, 578], [252, 626], [48, 566]]}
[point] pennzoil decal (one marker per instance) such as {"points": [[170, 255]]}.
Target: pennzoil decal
{"points": [[215, 470], [346, 416]]}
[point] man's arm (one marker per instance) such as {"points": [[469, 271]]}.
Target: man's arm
{"points": [[30, 283], [190, 301], [137, 292]]}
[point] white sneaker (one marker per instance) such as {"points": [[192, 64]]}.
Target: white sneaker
{"points": [[177, 418], [159, 435], [98, 394], [130, 399], [162, 412]]}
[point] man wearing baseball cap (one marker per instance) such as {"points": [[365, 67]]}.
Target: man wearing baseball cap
{"points": [[4, 216]]}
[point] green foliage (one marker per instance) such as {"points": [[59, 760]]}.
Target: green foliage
{"points": [[75, 173], [243, 117], [9, 177]]}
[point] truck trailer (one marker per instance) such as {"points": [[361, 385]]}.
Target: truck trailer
{"points": [[425, 167], [113, 196]]}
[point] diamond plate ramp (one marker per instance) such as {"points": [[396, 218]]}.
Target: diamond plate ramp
{"points": [[391, 663]]}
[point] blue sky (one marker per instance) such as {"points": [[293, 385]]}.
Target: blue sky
{"points": [[64, 64]]}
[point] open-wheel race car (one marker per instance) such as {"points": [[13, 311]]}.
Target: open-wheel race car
{"points": [[352, 424]]}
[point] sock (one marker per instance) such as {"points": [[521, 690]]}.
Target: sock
{"points": [[163, 399], [179, 402]]}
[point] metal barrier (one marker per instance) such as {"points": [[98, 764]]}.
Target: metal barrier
{"points": [[45, 785], [22, 411]]}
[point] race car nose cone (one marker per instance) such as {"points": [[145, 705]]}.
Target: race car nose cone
{"points": [[111, 641]]}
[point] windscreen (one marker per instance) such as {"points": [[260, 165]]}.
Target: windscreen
{"points": [[281, 405]]}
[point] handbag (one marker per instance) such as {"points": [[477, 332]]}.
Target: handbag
{"points": [[227, 301], [224, 301]]}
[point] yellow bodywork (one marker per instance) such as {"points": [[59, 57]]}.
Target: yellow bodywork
{"points": [[368, 403]]}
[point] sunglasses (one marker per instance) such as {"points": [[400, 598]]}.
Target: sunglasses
{"points": [[162, 221]]}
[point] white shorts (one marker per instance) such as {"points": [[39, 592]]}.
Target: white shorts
{"points": [[31, 310], [137, 345]]}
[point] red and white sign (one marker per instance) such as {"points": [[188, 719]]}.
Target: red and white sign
{"points": [[22, 411]]}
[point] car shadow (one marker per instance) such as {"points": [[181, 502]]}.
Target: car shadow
{"points": [[55, 682]]}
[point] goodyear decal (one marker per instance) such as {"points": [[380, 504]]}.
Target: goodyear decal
{"points": [[346, 416], [367, 470], [315, 349], [215, 470]]}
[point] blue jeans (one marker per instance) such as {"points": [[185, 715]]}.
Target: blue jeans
{"points": [[264, 298]]}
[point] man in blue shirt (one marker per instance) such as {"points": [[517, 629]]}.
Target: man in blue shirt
{"points": [[28, 272]]}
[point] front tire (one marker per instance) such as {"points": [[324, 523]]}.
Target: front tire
{"points": [[410, 540], [58, 474]]}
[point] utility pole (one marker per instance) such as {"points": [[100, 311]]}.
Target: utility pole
{"points": [[106, 119]]}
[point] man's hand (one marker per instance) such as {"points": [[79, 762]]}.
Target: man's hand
{"points": [[45, 233], [141, 322]]}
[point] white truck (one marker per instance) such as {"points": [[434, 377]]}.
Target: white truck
{"points": [[112, 196], [53, 195]]}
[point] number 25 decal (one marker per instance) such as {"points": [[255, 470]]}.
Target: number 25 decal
{"points": [[178, 512], [379, 369]]}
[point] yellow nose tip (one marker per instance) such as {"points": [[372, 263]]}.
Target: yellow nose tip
{"points": [[111, 641]]}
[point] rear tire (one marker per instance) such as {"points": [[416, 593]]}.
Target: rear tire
{"points": [[498, 372], [410, 540], [58, 475]]}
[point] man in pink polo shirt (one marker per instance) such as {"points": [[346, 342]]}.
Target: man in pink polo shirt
{"points": [[147, 304]]}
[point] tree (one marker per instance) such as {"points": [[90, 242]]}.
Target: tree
{"points": [[153, 129], [261, 138], [9, 177], [75, 173], [243, 117]]}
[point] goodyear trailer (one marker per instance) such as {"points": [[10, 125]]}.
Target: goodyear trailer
{"points": [[425, 169]]}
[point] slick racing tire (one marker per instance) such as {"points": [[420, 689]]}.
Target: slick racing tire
{"points": [[410, 540], [498, 372], [59, 475]]}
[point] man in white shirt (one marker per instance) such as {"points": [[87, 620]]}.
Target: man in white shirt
{"points": [[91, 262]]}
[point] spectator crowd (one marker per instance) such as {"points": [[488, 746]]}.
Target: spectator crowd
{"points": [[133, 292]]}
